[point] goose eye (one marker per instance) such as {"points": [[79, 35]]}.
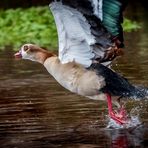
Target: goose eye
{"points": [[25, 48]]}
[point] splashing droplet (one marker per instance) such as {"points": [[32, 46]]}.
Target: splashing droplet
{"points": [[132, 121]]}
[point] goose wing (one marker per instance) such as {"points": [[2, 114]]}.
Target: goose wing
{"points": [[82, 37]]}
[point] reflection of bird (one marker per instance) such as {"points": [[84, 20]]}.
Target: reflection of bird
{"points": [[83, 46], [133, 137]]}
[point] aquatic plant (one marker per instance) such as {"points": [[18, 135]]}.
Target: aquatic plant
{"points": [[34, 25]]}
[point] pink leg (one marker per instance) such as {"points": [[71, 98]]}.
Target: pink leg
{"points": [[118, 117]]}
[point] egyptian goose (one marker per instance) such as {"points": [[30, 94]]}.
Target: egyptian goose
{"points": [[95, 82], [81, 65]]}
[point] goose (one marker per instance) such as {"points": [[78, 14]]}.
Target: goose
{"points": [[83, 62]]}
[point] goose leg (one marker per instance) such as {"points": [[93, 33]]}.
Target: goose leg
{"points": [[119, 117]]}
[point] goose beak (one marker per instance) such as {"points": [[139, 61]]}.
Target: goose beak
{"points": [[18, 55]]}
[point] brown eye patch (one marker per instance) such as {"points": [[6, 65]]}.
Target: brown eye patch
{"points": [[25, 48]]}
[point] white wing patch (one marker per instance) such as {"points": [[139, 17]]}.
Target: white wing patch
{"points": [[75, 38], [97, 8]]}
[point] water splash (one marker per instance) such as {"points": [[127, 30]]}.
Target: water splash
{"points": [[132, 121]]}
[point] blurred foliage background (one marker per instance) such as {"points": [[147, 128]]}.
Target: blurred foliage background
{"points": [[31, 21], [33, 25]]}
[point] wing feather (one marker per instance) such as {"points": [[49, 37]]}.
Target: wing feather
{"points": [[82, 37]]}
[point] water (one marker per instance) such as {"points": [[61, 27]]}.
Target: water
{"points": [[37, 112]]}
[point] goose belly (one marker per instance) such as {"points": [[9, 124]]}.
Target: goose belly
{"points": [[85, 83], [75, 77]]}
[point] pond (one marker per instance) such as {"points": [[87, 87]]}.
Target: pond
{"points": [[37, 112]]}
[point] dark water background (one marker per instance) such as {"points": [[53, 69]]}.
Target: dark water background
{"points": [[36, 112]]}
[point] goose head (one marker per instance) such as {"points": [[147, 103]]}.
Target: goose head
{"points": [[33, 52]]}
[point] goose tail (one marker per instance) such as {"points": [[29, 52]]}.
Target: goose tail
{"points": [[117, 85]]}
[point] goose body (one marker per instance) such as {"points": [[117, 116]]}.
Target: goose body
{"points": [[86, 49], [92, 82], [73, 77], [95, 82]]}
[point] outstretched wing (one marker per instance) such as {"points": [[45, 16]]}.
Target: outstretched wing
{"points": [[82, 38]]}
